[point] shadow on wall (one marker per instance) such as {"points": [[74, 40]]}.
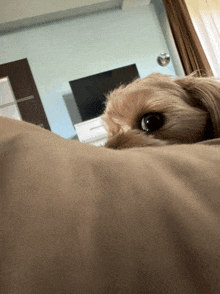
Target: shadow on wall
{"points": [[72, 110]]}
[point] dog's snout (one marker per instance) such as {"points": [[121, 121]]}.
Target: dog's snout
{"points": [[124, 140], [131, 139]]}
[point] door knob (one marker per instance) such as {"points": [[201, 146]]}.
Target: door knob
{"points": [[163, 59]]}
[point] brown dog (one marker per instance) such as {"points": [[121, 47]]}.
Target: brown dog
{"points": [[158, 110]]}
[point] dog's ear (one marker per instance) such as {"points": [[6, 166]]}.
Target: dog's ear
{"points": [[203, 93]]}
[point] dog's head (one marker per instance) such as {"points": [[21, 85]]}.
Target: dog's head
{"points": [[158, 110]]}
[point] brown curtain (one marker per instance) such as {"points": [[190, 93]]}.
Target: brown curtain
{"points": [[187, 42]]}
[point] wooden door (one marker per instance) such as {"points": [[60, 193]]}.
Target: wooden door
{"points": [[25, 92]]}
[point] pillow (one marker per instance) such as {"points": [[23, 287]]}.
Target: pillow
{"points": [[77, 218]]}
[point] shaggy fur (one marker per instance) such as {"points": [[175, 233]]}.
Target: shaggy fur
{"points": [[190, 107]]}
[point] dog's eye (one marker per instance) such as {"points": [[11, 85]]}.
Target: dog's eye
{"points": [[152, 121]]}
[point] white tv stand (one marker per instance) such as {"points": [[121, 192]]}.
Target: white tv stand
{"points": [[92, 131]]}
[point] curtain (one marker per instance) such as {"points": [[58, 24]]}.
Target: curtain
{"points": [[205, 15], [187, 42]]}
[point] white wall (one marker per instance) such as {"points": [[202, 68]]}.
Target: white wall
{"points": [[69, 50]]}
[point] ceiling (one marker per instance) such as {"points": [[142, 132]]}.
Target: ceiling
{"points": [[17, 14]]}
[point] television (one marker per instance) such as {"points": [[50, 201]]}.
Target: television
{"points": [[89, 92]]}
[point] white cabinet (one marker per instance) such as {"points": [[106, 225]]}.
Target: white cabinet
{"points": [[92, 131]]}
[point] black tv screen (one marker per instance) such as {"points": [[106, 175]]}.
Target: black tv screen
{"points": [[89, 92]]}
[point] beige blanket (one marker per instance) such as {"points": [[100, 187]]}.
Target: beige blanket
{"points": [[80, 219]]}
